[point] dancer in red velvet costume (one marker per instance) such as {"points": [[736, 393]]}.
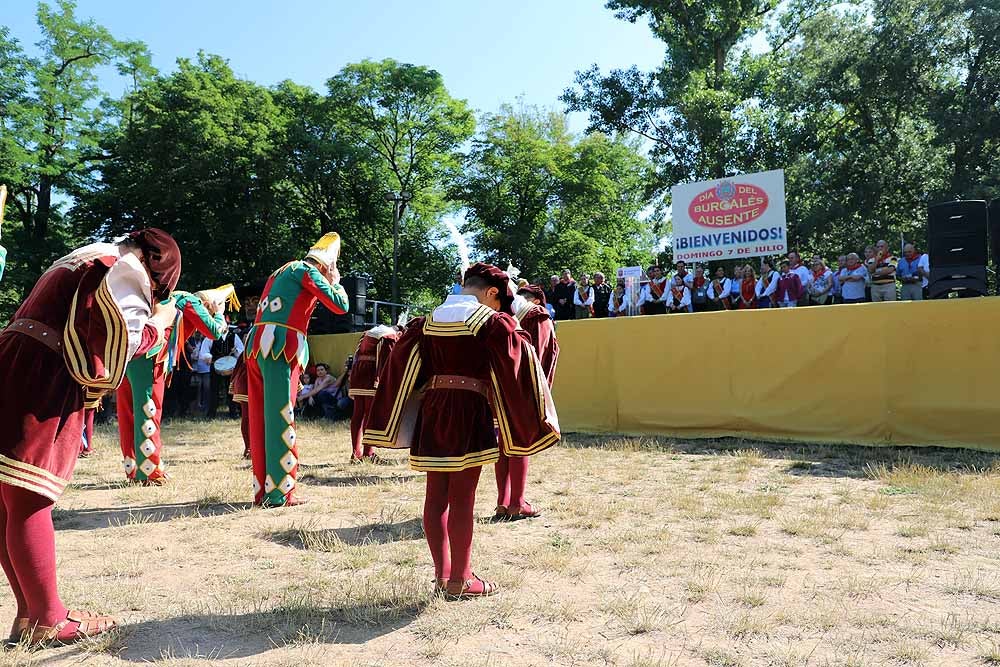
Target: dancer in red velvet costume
{"points": [[512, 472], [373, 351], [472, 362], [67, 346]]}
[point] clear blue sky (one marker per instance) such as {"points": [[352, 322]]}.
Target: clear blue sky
{"points": [[489, 51]]}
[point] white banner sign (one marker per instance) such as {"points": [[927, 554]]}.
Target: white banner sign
{"points": [[630, 272], [730, 218]]}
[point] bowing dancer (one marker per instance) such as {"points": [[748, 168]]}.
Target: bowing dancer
{"points": [[470, 361], [369, 359], [276, 352], [512, 472], [67, 346], [140, 397]]}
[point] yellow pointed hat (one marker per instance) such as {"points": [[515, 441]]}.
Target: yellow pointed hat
{"points": [[222, 296], [326, 250]]}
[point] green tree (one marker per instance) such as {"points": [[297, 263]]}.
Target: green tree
{"points": [[542, 199], [203, 157], [403, 115]]}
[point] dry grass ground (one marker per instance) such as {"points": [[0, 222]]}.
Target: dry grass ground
{"points": [[651, 553]]}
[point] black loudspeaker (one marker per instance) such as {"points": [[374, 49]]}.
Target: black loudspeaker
{"points": [[957, 248], [994, 220], [325, 322]]}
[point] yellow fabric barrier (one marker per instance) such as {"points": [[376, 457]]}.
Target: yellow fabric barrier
{"points": [[913, 373], [905, 373], [333, 350]]}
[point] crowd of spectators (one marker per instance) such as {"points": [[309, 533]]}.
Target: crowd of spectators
{"points": [[788, 283]]}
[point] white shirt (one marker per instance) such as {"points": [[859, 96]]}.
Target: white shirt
{"points": [[589, 301], [238, 346], [767, 290], [204, 356], [685, 298], [804, 274], [726, 289]]}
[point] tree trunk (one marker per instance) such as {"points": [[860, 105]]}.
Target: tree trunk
{"points": [[40, 228]]}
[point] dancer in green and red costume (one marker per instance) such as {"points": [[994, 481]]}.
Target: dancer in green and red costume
{"points": [[68, 344], [140, 397], [469, 361], [276, 351], [512, 472], [373, 351]]}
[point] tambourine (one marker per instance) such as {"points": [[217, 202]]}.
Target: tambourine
{"points": [[225, 366]]}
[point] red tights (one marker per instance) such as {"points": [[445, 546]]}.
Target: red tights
{"points": [[448, 519], [512, 476], [28, 554]]}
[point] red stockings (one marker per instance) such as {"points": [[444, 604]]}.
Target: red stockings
{"points": [[512, 476], [449, 515], [28, 554]]}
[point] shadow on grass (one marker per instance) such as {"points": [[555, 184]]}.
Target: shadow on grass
{"points": [[811, 460], [92, 519], [213, 637], [354, 480], [330, 539]]}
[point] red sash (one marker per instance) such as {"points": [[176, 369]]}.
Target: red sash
{"points": [[657, 288], [717, 285]]}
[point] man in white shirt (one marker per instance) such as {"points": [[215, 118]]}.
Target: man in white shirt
{"points": [[720, 289], [767, 285], [202, 378], [912, 270], [796, 266], [655, 294]]}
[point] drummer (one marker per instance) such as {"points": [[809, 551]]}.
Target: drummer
{"points": [[140, 397]]}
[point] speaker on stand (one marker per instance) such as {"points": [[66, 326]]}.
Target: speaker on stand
{"points": [[958, 249], [994, 225], [325, 322]]}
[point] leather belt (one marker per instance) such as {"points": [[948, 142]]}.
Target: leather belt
{"points": [[365, 357], [40, 331], [459, 382]]}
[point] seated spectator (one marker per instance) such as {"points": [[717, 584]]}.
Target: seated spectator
{"points": [[602, 295], [679, 299], [767, 285], [311, 398], [821, 285], [719, 290], [883, 274], [853, 279], [913, 270], [789, 289], [335, 399], [583, 299], [748, 289], [699, 291], [305, 385]]}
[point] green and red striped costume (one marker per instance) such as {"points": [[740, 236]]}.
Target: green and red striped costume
{"points": [[276, 351], [140, 396]]}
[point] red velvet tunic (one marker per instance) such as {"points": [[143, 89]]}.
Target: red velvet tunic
{"points": [[452, 429], [45, 393], [537, 324], [369, 359]]}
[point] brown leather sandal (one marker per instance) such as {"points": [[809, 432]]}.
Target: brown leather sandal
{"points": [[91, 625], [440, 586], [459, 590], [17, 630], [525, 511], [501, 513]]}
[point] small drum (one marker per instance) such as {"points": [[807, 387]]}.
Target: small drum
{"points": [[225, 366]]}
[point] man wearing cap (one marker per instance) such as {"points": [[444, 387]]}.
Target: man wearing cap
{"points": [[140, 396], [373, 351], [66, 347], [276, 352], [470, 362], [512, 472]]}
